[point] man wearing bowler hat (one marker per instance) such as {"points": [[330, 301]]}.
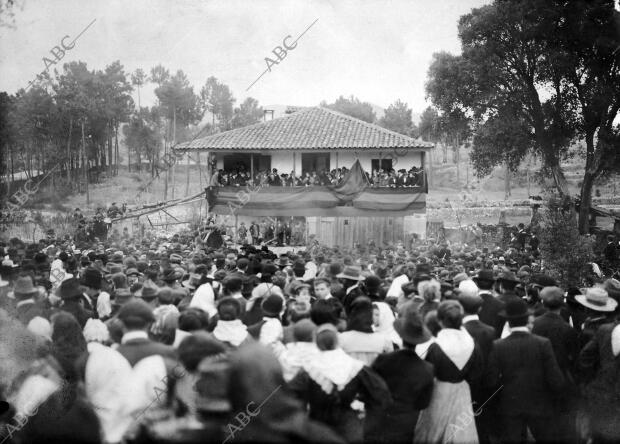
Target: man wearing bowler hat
{"points": [[491, 306], [524, 373], [72, 296], [508, 282]]}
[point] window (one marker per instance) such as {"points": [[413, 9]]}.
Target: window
{"points": [[243, 161], [384, 164], [318, 162]]}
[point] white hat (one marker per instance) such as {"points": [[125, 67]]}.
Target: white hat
{"points": [[596, 298]]}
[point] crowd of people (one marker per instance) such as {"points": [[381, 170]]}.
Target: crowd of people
{"points": [[391, 178], [278, 232], [168, 340]]}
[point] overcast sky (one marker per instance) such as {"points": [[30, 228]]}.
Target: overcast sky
{"points": [[377, 50]]}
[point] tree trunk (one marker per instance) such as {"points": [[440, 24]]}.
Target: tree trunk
{"points": [[457, 161], [558, 178], [110, 155], [591, 169], [85, 165], [507, 182], [586, 202], [116, 145], [166, 172], [69, 149]]}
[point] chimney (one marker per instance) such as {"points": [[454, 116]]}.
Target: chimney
{"points": [[265, 112]]}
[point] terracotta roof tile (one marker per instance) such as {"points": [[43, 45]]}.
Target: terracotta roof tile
{"points": [[314, 128]]}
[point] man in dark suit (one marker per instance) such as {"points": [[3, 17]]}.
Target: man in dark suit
{"points": [[483, 335], [491, 306], [136, 317], [409, 378], [72, 295], [26, 306], [524, 371], [564, 339], [565, 343]]}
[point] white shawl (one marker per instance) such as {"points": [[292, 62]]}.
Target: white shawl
{"points": [[233, 331], [333, 368], [458, 345]]}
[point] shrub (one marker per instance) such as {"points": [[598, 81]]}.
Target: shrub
{"points": [[566, 252]]}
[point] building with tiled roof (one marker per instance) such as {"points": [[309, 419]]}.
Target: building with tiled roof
{"points": [[320, 139], [309, 129]]}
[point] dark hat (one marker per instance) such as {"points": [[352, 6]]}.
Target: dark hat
{"points": [[69, 289], [299, 266], [515, 308], [122, 296], [283, 261], [423, 269], [171, 275], [268, 268], [552, 297], [219, 275], [117, 257], [409, 325], [142, 266], [335, 268], [175, 258], [133, 272], [24, 287], [272, 305], [409, 288], [543, 280], [149, 292], [113, 268], [136, 310], [508, 276], [92, 278], [485, 275], [373, 282], [193, 281]]}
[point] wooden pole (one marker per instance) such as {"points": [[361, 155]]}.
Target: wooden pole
{"points": [[252, 168]]}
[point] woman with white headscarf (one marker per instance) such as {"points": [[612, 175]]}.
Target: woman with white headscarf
{"points": [[383, 322], [204, 298]]}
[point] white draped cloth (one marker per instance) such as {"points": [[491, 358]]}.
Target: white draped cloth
{"points": [[108, 380]]}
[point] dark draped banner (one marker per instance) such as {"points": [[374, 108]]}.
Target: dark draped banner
{"points": [[353, 197]]}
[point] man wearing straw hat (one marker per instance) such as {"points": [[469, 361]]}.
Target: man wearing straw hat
{"points": [[600, 310]]}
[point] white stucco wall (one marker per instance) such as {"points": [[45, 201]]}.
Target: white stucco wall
{"points": [[284, 161]]}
